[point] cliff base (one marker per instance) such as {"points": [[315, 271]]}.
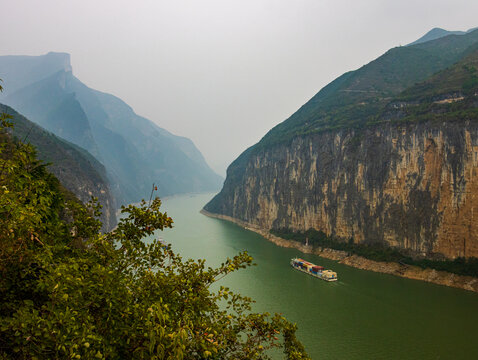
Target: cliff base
{"points": [[392, 268]]}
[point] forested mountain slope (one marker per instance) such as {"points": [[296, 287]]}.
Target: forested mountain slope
{"points": [[385, 155], [77, 170]]}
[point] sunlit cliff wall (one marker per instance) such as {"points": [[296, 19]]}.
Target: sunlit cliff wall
{"points": [[412, 186]]}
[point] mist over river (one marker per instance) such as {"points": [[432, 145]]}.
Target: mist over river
{"points": [[364, 315]]}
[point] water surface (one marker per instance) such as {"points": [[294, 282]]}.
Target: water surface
{"points": [[365, 315]]}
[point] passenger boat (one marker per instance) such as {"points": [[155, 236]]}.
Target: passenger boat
{"points": [[314, 270]]}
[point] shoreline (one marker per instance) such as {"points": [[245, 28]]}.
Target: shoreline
{"points": [[406, 271]]}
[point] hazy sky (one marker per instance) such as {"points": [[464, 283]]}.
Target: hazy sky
{"points": [[220, 72]]}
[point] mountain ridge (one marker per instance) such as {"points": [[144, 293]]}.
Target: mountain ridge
{"points": [[340, 102], [135, 151], [437, 33]]}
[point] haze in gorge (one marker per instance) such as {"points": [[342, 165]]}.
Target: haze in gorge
{"points": [[221, 73], [329, 140]]}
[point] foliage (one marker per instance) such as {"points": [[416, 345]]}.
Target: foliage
{"points": [[69, 292], [362, 97], [52, 149], [76, 169], [379, 252]]}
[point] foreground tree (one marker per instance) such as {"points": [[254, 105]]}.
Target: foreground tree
{"points": [[69, 292]]}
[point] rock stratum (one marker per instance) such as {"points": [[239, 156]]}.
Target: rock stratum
{"points": [[411, 186], [385, 155]]}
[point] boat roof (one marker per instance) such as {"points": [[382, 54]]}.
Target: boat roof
{"points": [[304, 261]]}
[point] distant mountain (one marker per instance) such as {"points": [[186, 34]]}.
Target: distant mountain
{"points": [[48, 103], [135, 151], [438, 33], [434, 34], [20, 71], [77, 170]]}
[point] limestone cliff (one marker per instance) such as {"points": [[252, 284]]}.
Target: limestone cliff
{"points": [[409, 186], [374, 159]]}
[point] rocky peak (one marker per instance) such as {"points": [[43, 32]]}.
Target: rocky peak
{"points": [[60, 59]]}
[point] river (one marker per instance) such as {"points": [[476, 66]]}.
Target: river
{"points": [[364, 315]]}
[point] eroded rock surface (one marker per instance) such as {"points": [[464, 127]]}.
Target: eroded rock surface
{"points": [[412, 187]]}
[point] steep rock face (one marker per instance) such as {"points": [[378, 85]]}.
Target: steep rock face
{"points": [[20, 71], [385, 154], [409, 186]]}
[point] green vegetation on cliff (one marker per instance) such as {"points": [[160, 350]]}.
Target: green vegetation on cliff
{"points": [[358, 98], [77, 170], [68, 291]]}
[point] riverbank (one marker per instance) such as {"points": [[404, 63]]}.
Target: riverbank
{"points": [[392, 268]]}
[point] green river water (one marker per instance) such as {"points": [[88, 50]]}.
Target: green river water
{"points": [[365, 315]]}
